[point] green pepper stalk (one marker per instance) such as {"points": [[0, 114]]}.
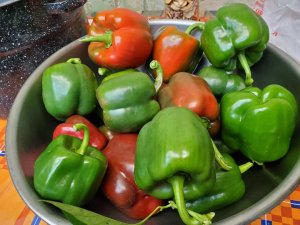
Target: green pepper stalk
{"points": [[245, 167], [204, 219], [105, 38], [86, 137], [74, 61], [103, 71], [244, 63], [197, 25], [177, 183], [218, 155], [154, 64], [219, 158]]}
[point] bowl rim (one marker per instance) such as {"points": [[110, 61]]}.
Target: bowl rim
{"points": [[29, 197]]}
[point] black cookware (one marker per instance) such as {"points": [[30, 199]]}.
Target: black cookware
{"points": [[30, 31]]}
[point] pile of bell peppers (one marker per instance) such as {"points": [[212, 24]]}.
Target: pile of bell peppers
{"points": [[150, 139]]}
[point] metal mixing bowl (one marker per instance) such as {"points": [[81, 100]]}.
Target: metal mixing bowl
{"points": [[30, 128]]}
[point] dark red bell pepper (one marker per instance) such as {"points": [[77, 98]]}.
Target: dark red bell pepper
{"points": [[176, 51], [118, 184], [120, 38], [191, 91], [97, 139]]}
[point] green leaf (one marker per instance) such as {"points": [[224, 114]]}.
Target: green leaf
{"points": [[80, 216]]}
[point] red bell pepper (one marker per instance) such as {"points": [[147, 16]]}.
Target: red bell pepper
{"points": [[190, 91], [118, 184], [120, 38], [176, 51], [97, 139]]}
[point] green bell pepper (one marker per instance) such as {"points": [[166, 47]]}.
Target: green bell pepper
{"points": [[259, 123], [127, 99], [69, 88], [175, 158], [69, 170], [237, 32], [229, 188], [220, 82]]}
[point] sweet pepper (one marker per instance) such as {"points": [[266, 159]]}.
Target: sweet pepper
{"points": [[236, 36], [69, 170], [191, 91], [97, 139], [69, 88], [176, 51], [229, 188], [119, 185], [259, 123], [175, 158], [127, 99], [120, 39], [220, 82]]}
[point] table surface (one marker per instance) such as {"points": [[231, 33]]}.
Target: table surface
{"points": [[13, 210]]}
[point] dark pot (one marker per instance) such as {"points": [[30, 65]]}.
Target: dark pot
{"points": [[30, 31]]}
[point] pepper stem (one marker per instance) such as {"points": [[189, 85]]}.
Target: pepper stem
{"points": [[219, 157], [154, 64], [199, 25], [243, 60], [156, 210], [74, 61], [103, 71], [106, 38], [187, 216], [86, 137], [259, 163], [246, 166]]}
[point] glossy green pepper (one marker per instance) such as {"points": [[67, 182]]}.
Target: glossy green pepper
{"points": [[69, 170], [127, 99], [229, 188], [175, 158], [259, 123], [237, 35], [220, 82], [69, 88]]}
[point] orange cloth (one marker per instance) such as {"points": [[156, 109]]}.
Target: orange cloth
{"points": [[13, 210]]}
